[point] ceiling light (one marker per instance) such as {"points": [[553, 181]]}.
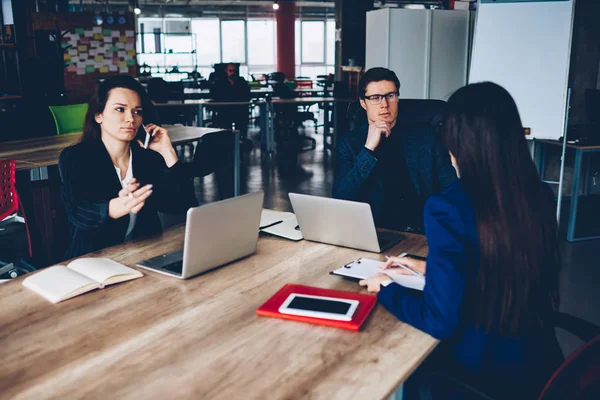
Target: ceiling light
{"points": [[275, 6], [137, 11]]}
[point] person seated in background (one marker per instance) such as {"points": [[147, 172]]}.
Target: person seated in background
{"points": [[390, 166], [492, 270], [111, 186], [231, 87]]}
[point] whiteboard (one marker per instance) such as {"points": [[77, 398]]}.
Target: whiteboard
{"points": [[526, 47]]}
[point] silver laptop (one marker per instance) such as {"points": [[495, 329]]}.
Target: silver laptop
{"points": [[340, 222], [215, 234]]}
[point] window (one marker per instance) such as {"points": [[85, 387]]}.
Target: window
{"points": [[313, 42], [233, 41], [315, 47], [330, 43], [208, 40], [165, 43], [261, 42], [298, 40]]}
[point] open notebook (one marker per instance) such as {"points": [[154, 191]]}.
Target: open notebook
{"points": [[364, 268], [281, 224], [61, 282]]}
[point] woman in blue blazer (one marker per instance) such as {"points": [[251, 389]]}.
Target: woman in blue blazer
{"points": [[492, 268], [112, 186]]}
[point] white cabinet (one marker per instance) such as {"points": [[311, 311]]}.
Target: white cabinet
{"points": [[427, 49]]}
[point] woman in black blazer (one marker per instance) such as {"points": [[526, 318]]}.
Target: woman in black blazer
{"points": [[111, 185]]}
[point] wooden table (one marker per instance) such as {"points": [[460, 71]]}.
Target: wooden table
{"points": [[44, 151], [160, 337]]}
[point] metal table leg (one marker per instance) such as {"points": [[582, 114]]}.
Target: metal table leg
{"points": [[271, 129], [326, 124], [200, 116], [264, 146], [236, 163], [574, 195]]}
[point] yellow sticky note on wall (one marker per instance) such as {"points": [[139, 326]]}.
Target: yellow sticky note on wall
{"points": [[104, 69], [82, 48], [99, 58], [131, 53], [98, 36], [122, 64], [67, 57], [122, 39]]}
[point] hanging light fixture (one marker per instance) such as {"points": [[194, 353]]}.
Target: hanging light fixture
{"points": [[137, 9], [275, 5]]}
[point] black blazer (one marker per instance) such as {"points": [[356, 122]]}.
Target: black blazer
{"points": [[89, 181], [357, 179]]}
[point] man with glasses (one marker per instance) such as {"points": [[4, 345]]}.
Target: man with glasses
{"points": [[392, 166]]}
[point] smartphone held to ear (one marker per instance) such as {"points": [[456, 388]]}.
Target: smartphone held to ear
{"points": [[148, 137]]}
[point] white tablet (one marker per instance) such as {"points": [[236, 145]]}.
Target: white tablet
{"points": [[319, 307]]}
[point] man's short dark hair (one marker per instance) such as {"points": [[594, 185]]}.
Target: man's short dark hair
{"points": [[376, 74]]}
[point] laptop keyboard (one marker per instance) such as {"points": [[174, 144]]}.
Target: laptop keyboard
{"points": [[176, 267], [388, 239], [170, 262]]}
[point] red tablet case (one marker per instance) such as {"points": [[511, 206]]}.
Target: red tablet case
{"points": [[366, 302]]}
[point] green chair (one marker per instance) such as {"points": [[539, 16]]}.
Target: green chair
{"points": [[69, 118]]}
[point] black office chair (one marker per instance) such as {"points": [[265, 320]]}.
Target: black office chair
{"points": [[161, 91], [214, 153], [288, 119]]}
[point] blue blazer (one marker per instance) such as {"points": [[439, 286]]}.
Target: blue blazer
{"points": [[89, 181], [452, 268], [357, 179]]}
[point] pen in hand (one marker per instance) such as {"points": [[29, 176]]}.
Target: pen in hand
{"points": [[412, 271]]}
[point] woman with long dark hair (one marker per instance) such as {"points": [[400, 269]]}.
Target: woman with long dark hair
{"points": [[493, 264], [111, 185]]}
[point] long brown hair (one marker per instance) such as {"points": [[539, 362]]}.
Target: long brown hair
{"points": [[517, 285], [91, 129]]}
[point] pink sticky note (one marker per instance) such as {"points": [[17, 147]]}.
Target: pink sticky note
{"points": [[84, 41], [72, 68], [130, 40]]}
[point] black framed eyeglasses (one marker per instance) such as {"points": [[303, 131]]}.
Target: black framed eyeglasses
{"points": [[376, 99]]}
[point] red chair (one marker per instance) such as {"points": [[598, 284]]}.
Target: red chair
{"points": [[9, 206], [9, 200], [577, 378]]}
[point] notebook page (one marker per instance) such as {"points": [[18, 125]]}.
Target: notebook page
{"points": [[59, 283], [267, 217], [368, 268], [104, 270], [286, 229]]}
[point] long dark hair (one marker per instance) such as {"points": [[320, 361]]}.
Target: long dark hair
{"points": [[517, 286], [91, 129]]}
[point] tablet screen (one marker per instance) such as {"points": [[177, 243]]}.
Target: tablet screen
{"points": [[320, 305]]}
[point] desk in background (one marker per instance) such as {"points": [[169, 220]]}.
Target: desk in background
{"points": [[267, 115], [580, 151], [160, 337], [257, 93]]}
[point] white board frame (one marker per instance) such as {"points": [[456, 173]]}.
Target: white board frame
{"points": [[526, 48]]}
